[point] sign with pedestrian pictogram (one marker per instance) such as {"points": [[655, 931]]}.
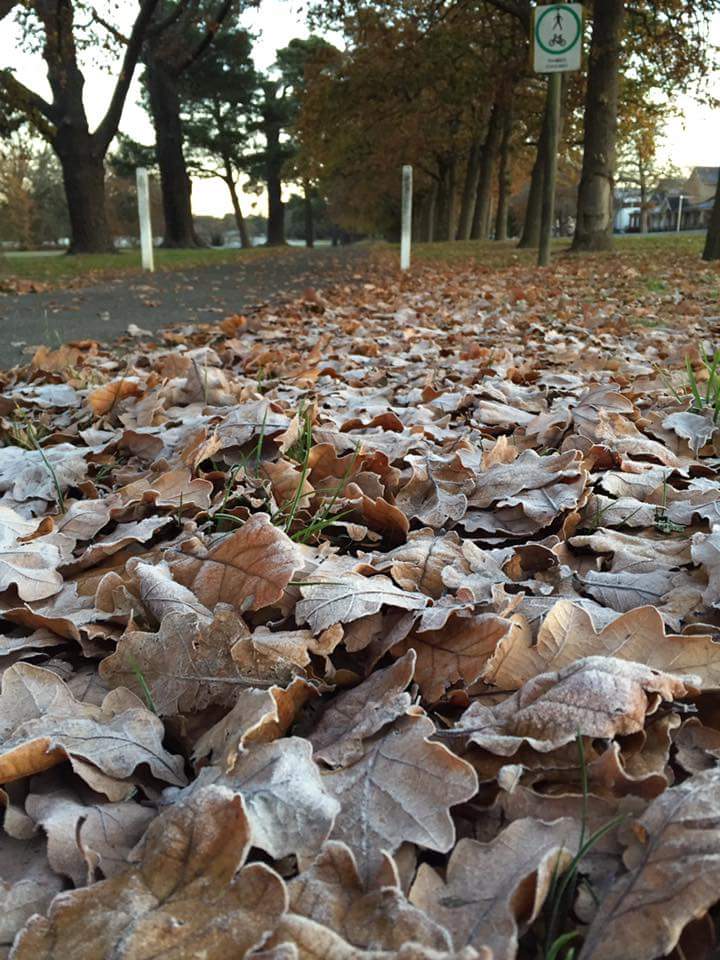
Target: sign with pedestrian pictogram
{"points": [[557, 30]]}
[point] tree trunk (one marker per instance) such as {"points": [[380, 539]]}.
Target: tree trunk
{"points": [[593, 230], [84, 180], [274, 160], [309, 217], [174, 180], [644, 209], [445, 220], [276, 211], [501, 219], [237, 209], [712, 238], [481, 217], [470, 188]]}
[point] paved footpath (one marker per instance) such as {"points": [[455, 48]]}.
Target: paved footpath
{"points": [[166, 298]]}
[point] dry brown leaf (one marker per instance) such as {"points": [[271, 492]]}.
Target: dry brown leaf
{"points": [[249, 568], [187, 895], [87, 841], [259, 716], [457, 652], [400, 790], [42, 724], [287, 806], [32, 569], [326, 603], [418, 564], [672, 875], [594, 697], [104, 399], [331, 893], [357, 714], [567, 634], [187, 665], [27, 884], [493, 891]]}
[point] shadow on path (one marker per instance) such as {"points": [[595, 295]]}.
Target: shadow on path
{"points": [[152, 301]]}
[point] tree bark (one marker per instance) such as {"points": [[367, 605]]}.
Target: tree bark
{"points": [[481, 217], [309, 217], [84, 181], [237, 209], [644, 208], [276, 210], [593, 230], [164, 99], [274, 161], [501, 218], [712, 238], [446, 217], [470, 188]]}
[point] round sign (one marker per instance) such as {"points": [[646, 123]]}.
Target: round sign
{"points": [[558, 29]]}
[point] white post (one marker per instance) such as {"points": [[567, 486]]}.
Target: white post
{"points": [[407, 200], [679, 219], [146, 239]]}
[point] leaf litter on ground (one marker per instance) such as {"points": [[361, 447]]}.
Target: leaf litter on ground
{"points": [[378, 624]]}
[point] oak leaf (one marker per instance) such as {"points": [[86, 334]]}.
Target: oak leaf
{"points": [[594, 697], [567, 634], [672, 875], [42, 724], [400, 790], [249, 568], [493, 891], [325, 603], [188, 894]]}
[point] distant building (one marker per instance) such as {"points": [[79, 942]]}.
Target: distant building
{"points": [[702, 184], [674, 199]]}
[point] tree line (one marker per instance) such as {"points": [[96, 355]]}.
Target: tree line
{"points": [[213, 113], [442, 84], [447, 86]]}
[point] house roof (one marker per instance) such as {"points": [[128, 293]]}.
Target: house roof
{"points": [[671, 185], [708, 175]]}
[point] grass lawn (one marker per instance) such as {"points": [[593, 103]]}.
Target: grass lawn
{"points": [[57, 270], [505, 254]]}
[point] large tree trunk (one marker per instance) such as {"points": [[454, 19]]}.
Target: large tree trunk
{"points": [[593, 230], [276, 211], [481, 217], [501, 218], [175, 182], [446, 219], [84, 180], [530, 236], [712, 238], [273, 177], [470, 187], [237, 209], [308, 215]]}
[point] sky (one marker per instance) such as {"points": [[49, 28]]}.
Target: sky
{"points": [[691, 137]]}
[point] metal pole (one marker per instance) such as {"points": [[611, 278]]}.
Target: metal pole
{"points": [[679, 219], [406, 235], [146, 240], [550, 176]]}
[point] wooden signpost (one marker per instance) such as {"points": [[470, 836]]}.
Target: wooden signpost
{"points": [[557, 32]]}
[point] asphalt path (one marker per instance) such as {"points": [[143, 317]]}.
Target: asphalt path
{"points": [[166, 298]]}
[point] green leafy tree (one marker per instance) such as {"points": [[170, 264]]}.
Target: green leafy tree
{"points": [[219, 97]]}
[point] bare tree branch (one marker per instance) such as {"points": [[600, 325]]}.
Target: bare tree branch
{"points": [[41, 114], [108, 127]]}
